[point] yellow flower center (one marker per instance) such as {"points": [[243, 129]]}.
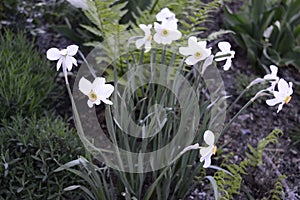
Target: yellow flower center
{"points": [[214, 150], [64, 52], [287, 99], [197, 54], [93, 96], [149, 38], [165, 32]]}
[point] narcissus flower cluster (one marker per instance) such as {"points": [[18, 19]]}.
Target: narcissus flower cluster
{"points": [[165, 32]]}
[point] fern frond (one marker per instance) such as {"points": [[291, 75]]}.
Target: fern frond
{"points": [[105, 16], [230, 185]]}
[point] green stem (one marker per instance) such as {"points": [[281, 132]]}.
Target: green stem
{"points": [[223, 56]]}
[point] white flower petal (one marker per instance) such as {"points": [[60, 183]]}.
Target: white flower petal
{"points": [[68, 63], [106, 101], [90, 103], [274, 70], [53, 54], [280, 107], [74, 61], [205, 151], [191, 60], [273, 102], [209, 137], [224, 47], [157, 38], [186, 51], [283, 86], [193, 44], [72, 49], [139, 43], [147, 46], [267, 33], [227, 65], [164, 14], [105, 91], [59, 63], [207, 161], [85, 86], [97, 102], [79, 4], [98, 83]]}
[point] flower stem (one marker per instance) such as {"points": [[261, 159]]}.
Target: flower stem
{"points": [[223, 56], [235, 116]]}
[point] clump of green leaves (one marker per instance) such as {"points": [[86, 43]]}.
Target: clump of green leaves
{"points": [[242, 81], [281, 48], [30, 150], [26, 78], [230, 182]]}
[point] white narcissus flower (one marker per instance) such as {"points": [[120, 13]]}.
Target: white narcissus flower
{"points": [[97, 91], [79, 4], [282, 96], [166, 33], [165, 15], [221, 55], [196, 51], [207, 152], [65, 58], [146, 40], [272, 77], [167, 18]]}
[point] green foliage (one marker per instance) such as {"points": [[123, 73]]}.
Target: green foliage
{"points": [[30, 149], [192, 14], [278, 189], [105, 16], [26, 78], [133, 8], [281, 48], [98, 179], [242, 81], [229, 183]]}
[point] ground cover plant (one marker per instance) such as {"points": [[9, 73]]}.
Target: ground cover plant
{"points": [[163, 108]]}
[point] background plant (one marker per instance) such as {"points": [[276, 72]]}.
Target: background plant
{"points": [[249, 24], [25, 77], [30, 150]]}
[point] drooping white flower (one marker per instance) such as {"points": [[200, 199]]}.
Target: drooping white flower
{"points": [[277, 23], [165, 15], [272, 77], [221, 55], [207, 152], [65, 58], [196, 51], [267, 33], [167, 18], [97, 91], [166, 33], [282, 96], [79, 4], [146, 40]]}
